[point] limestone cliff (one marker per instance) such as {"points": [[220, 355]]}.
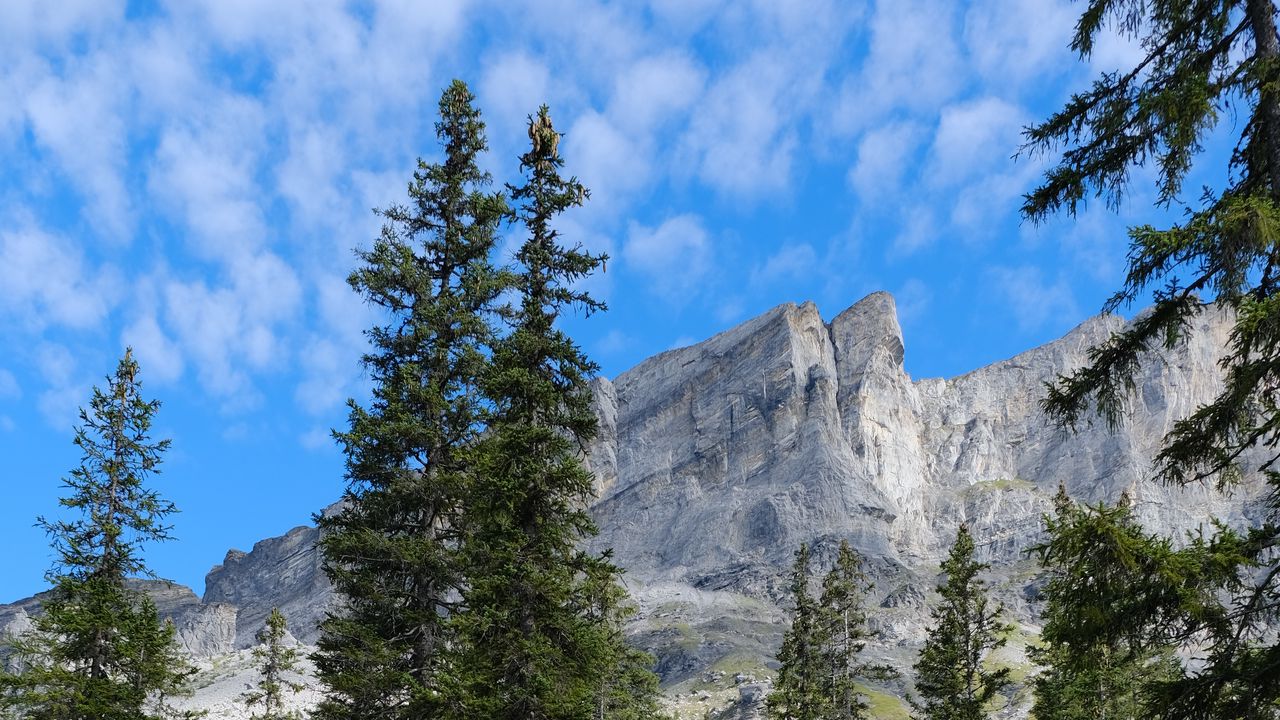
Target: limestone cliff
{"points": [[715, 461]]}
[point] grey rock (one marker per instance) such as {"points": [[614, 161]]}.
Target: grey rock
{"points": [[715, 461], [282, 572]]}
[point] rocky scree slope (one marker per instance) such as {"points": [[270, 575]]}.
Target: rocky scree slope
{"points": [[715, 461]]}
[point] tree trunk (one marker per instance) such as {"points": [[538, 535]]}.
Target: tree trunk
{"points": [[1266, 51]]}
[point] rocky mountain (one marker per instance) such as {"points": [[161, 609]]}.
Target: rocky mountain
{"points": [[715, 461]]}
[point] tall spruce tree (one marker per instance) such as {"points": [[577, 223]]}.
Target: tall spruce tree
{"points": [[1201, 59], [953, 677], [1101, 565], [842, 617], [540, 631], [798, 690], [392, 550], [275, 660], [99, 649]]}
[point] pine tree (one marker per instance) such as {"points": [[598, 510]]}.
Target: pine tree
{"points": [[1202, 59], [1102, 567], [798, 691], [540, 627], [274, 660], [842, 622], [393, 550], [99, 649], [952, 673]]}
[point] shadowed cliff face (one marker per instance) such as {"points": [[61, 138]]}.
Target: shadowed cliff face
{"points": [[715, 461]]}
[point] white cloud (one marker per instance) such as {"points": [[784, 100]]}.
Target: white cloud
{"points": [[675, 256], [604, 158], [1034, 301], [912, 300], [45, 280], [742, 140], [60, 402], [654, 90], [913, 64], [790, 263], [974, 137], [318, 438], [885, 154], [615, 341], [1013, 43], [79, 120], [158, 355], [919, 230], [512, 86]]}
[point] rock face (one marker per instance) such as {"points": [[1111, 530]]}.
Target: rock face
{"points": [[282, 572], [715, 461]]}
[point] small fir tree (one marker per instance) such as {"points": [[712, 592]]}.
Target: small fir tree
{"points": [[798, 690], [842, 622], [274, 660], [99, 649], [952, 674], [392, 552]]}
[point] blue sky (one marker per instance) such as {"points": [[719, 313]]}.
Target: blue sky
{"points": [[190, 178]]}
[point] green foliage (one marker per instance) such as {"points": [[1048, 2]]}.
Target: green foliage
{"points": [[1201, 59], [540, 634], [274, 660], [952, 676], [842, 621], [393, 550], [820, 656], [797, 691], [99, 649], [1105, 573]]}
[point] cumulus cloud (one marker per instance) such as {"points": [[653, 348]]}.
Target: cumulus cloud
{"points": [[913, 64], [741, 141], [156, 351], [884, 156], [974, 137], [792, 262], [46, 280], [1012, 44], [675, 256]]}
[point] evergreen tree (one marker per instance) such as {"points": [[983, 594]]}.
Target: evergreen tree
{"points": [[842, 621], [1102, 566], [798, 691], [99, 649], [1201, 58], [952, 675], [392, 552], [540, 630], [274, 660]]}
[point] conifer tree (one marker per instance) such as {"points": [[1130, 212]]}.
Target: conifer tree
{"points": [[843, 632], [540, 629], [392, 551], [1102, 566], [798, 690], [1201, 60], [274, 660], [99, 649], [952, 673]]}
